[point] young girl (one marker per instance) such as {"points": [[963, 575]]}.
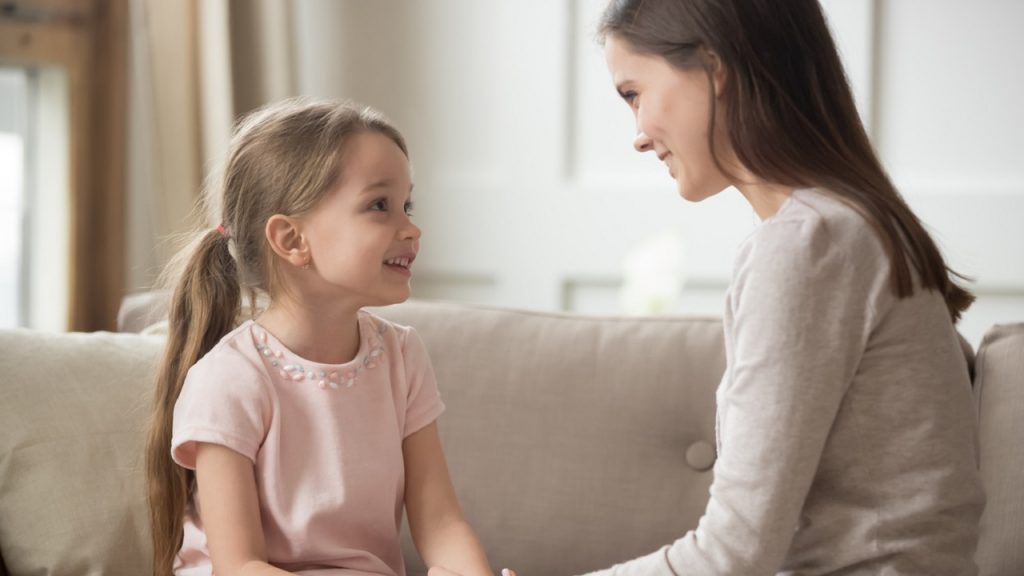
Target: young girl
{"points": [[846, 430], [298, 436]]}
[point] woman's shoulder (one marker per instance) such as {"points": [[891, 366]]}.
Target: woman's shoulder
{"points": [[818, 224], [817, 240]]}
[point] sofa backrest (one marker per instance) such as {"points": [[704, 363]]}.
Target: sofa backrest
{"points": [[574, 442]]}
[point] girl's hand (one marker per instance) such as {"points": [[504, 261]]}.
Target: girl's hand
{"points": [[438, 571]]}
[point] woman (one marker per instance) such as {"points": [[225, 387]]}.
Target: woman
{"points": [[846, 433]]}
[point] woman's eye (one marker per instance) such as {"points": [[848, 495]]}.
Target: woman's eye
{"points": [[629, 96]]}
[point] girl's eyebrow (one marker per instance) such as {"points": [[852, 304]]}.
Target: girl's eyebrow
{"points": [[382, 184], [386, 183]]}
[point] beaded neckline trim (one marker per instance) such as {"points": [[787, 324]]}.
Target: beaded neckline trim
{"points": [[332, 379]]}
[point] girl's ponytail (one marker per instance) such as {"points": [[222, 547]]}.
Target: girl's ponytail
{"points": [[204, 307]]}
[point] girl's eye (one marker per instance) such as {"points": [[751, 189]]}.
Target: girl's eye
{"points": [[409, 206], [380, 205]]}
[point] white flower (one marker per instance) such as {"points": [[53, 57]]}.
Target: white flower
{"points": [[653, 276]]}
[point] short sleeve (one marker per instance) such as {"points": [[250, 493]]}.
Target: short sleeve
{"points": [[423, 403], [226, 401]]}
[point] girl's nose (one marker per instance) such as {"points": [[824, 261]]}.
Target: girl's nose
{"points": [[412, 231], [642, 142]]}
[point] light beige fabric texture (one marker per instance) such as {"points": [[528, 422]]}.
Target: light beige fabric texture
{"points": [[574, 442], [999, 387], [567, 437], [72, 407]]}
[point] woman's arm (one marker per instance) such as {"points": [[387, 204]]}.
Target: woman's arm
{"points": [[442, 535], [802, 312], [231, 513]]}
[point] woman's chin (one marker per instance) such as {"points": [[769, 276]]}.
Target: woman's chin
{"points": [[692, 193]]}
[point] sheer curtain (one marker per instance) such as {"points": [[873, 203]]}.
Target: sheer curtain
{"points": [[196, 66]]}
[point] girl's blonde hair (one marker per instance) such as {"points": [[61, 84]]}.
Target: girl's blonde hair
{"points": [[283, 159]]}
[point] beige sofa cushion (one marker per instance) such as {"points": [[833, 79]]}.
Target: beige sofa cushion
{"points": [[72, 408], [586, 441], [999, 385]]}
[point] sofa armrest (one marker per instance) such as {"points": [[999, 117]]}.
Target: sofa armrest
{"points": [[72, 412], [999, 390]]}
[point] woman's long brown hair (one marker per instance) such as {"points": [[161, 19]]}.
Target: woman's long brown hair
{"points": [[789, 112], [283, 159]]}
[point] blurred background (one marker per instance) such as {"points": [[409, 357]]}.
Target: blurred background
{"points": [[114, 112]]}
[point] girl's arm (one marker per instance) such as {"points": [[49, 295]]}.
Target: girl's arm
{"points": [[442, 535], [231, 513]]}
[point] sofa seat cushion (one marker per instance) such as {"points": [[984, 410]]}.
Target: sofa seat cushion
{"points": [[598, 432], [999, 386], [72, 411]]}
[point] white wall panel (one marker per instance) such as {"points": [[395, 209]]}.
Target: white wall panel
{"points": [[530, 193], [948, 127], [603, 125], [853, 27], [951, 84], [478, 102]]}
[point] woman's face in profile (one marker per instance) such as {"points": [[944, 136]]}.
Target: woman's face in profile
{"points": [[672, 108]]}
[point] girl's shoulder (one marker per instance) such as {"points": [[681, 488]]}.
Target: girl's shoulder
{"points": [[236, 353], [398, 340], [384, 328]]}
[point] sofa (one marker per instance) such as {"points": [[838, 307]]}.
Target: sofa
{"points": [[574, 442]]}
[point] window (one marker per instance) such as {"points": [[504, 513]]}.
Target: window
{"points": [[34, 198], [13, 102]]}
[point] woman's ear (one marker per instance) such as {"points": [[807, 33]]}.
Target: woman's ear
{"points": [[285, 238], [716, 70]]}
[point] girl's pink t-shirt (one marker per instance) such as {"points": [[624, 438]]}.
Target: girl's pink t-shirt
{"points": [[325, 442]]}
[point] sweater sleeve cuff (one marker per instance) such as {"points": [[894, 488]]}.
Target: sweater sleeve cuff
{"points": [[653, 564]]}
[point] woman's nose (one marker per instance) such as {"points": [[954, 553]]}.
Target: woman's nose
{"points": [[642, 142]]}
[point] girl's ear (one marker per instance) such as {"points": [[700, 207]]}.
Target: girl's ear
{"points": [[286, 240]]}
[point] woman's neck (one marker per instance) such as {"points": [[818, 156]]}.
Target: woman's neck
{"points": [[764, 197], [314, 333]]}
